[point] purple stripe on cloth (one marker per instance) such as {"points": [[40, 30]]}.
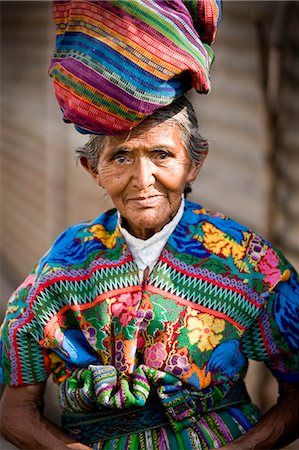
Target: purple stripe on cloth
{"points": [[176, 5], [104, 389], [181, 15], [95, 80], [203, 430], [163, 12], [228, 436], [140, 377]]}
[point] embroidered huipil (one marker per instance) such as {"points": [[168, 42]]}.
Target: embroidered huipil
{"points": [[217, 295]]}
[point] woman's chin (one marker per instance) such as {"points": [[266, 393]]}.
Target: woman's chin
{"points": [[147, 222]]}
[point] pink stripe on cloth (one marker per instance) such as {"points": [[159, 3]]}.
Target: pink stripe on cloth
{"points": [[138, 56]]}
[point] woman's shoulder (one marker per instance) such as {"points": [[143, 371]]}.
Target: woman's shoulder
{"points": [[229, 240], [198, 214], [76, 244]]}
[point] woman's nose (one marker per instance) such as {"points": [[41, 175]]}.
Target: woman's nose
{"points": [[144, 173]]}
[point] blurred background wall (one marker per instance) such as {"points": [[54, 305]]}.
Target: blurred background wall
{"points": [[250, 118]]}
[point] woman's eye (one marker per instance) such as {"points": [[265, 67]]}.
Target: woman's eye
{"points": [[162, 155], [121, 159]]}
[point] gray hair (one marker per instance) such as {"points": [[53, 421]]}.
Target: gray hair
{"points": [[179, 113]]}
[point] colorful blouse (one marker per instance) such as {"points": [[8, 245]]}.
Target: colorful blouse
{"points": [[218, 295]]}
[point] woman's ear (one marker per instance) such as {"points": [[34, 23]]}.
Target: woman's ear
{"points": [[91, 170], [87, 166], [196, 168]]}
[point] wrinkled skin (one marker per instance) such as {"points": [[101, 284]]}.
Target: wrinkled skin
{"points": [[23, 424], [144, 174]]}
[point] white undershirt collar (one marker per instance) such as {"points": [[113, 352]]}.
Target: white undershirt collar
{"points": [[147, 251]]}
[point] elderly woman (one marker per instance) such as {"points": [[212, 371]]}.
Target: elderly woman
{"points": [[146, 317]]}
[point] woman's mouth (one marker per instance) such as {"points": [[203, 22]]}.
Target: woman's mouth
{"points": [[145, 202]]}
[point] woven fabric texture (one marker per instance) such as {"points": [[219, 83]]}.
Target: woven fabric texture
{"points": [[116, 62]]}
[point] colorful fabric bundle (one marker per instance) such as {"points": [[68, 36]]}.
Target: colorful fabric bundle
{"points": [[118, 61], [95, 407]]}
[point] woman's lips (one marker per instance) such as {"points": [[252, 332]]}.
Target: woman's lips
{"points": [[146, 202]]}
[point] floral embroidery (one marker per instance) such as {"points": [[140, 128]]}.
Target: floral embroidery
{"points": [[177, 365], [205, 330], [125, 307], [100, 233], [144, 318], [219, 243], [256, 250], [120, 358], [90, 334], [155, 355], [198, 301], [269, 266]]}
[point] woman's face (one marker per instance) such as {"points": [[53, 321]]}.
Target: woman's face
{"points": [[145, 173]]}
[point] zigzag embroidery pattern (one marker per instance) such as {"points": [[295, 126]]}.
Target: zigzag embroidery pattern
{"points": [[63, 290], [226, 300]]}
